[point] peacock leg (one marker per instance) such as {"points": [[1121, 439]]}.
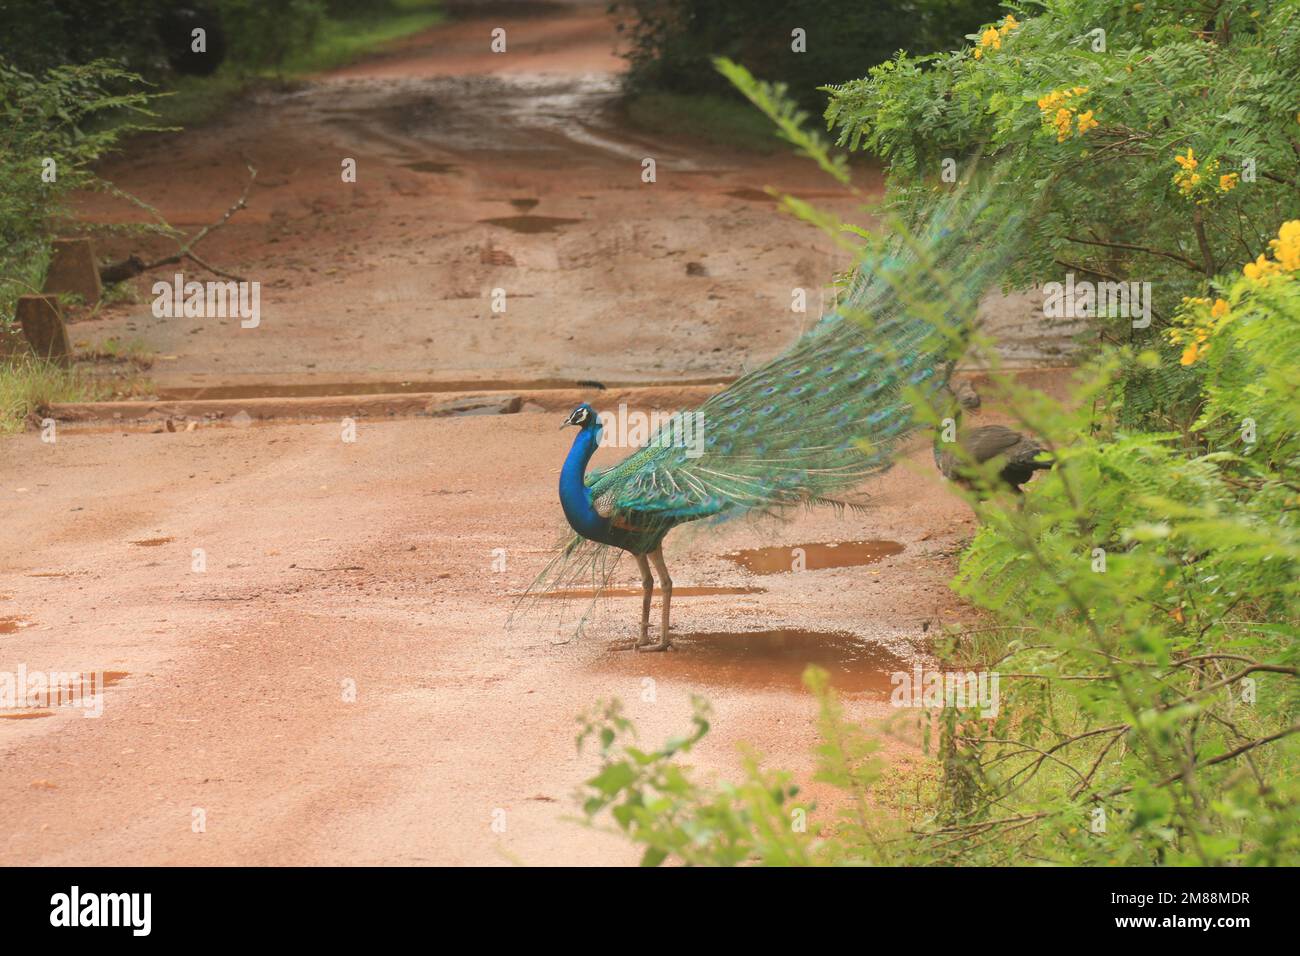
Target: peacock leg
{"points": [[665, 585], [648, 585]]}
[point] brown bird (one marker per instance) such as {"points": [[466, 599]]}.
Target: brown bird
{"points": [[983, 444]]}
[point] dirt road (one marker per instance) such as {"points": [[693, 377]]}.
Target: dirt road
{"points": [[372, 562], [304, 635], [474, 172], [478, 172]]}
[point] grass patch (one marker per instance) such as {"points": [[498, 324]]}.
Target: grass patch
{"points": [[28, 384], [715, 119], [343, 41], [117, 351], [193, 100]]}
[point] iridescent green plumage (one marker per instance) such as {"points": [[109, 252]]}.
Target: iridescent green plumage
{"points": [[794, 431]]}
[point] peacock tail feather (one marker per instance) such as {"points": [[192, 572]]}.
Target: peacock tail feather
{"points": [[576, 565], [832, 409]]}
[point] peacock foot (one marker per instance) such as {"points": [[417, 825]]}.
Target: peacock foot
{"points": [[648, 647]]}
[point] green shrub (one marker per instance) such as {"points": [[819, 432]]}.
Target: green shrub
{"points": [[47, 148]]}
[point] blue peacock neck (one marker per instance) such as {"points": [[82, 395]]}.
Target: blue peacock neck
{"points": [[574, 498]]}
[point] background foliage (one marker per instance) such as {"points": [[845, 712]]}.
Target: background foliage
{"points": [[672, 43], [46, 119], [1221, 80], [258, 34]]}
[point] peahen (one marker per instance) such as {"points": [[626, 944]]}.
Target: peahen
{"points": [[816, 420], [1019, 456], [962, 453]]}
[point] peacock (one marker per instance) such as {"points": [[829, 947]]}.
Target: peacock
{"points": [[817, 420]]}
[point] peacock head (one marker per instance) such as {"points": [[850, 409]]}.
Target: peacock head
{"points": [[584, 416]]}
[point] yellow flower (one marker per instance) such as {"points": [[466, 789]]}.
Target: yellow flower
{"points": [[1009, 24], [1259, 270], [1062, 124], [1286, 254], [991, 37], [978, 53], [1286, 247], [1188, 161], [1219, 309], [1060, 116], [1189, 355], [1227, 182]]}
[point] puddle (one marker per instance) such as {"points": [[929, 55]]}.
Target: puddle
{"points": [[12, 625], [429, 166], [530, 225], [678, 591], [770, 659], [813, 557], [152, 542]]}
